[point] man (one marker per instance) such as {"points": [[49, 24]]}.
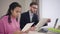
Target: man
{"points": [[30, 16]]}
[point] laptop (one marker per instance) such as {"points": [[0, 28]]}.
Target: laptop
{"points": [[55, 23]]}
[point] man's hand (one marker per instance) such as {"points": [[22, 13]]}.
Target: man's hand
{"points": [[48, 20], [32, 28]]}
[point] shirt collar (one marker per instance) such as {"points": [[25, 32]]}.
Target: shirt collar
{"points": [[30, 13]]}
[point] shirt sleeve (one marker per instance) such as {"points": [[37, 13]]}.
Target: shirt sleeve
{"points": [[1, 27]]}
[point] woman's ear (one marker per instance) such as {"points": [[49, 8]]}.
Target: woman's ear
{"points": [[11, 11]]}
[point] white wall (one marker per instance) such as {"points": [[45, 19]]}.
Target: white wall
{"points": [[50, 9], [4, 4]]}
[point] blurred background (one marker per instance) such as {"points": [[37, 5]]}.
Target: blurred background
{"points": [[47, 9]]}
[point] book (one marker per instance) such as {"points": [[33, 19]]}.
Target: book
{"points": [[27, 26], [41, 23]]}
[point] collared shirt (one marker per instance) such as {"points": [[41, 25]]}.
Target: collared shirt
{"points": [[31, 15]]}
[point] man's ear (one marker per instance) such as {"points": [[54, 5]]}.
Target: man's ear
{"points": [[30, 7]]}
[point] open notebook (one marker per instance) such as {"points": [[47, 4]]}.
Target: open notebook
{"points": [[27, 26], [40, 24]]}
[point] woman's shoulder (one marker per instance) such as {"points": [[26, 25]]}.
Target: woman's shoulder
{"points": [[4, 17]]}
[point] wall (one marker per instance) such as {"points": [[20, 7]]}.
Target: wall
{"points": [[50, 9], [4, 4]]}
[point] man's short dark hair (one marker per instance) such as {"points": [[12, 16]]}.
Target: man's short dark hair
{"points": [[33, 3]]}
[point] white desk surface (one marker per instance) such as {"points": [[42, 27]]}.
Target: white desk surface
{"points": [[34, 32]]}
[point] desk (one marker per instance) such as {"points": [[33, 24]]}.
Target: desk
{"points": [[49, 32], [34, 32]]}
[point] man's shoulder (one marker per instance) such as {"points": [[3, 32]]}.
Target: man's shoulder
{"points": [[25, 13]]}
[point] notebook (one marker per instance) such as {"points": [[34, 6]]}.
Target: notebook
{"points": [[27, 26], [41, 23]]}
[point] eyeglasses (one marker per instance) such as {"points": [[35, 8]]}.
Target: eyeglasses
{"points": [[34, 7]]}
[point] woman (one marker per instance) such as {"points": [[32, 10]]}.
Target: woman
{"points": [[9, 23]]}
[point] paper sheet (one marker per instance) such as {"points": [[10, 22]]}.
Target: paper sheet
{"points": [[41, 23], [27, 26]]}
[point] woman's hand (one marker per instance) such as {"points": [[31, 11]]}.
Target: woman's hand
{"points": [[17, 32], [31, 29]]}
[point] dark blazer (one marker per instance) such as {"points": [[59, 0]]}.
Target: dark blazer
{"points": [[25, 18]]}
